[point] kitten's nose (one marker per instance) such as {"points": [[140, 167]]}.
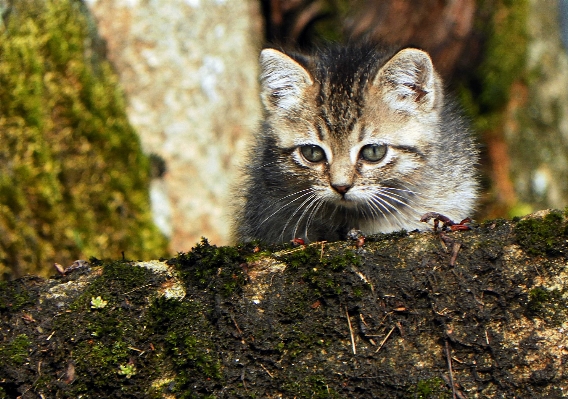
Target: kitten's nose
{"points": [[341, 188]]}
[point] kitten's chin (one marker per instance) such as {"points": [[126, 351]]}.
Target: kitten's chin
{"points": [[346, 203]]}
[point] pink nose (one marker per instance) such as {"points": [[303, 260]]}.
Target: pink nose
{"points": [[341, 189]]}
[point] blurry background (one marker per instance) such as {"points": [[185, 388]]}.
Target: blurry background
{"points": [[123, 122]]}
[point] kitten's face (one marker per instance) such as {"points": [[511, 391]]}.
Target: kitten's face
{"points": [[356, 144]]}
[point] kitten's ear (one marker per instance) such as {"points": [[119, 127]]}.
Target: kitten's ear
{"points": [[283, 80], [408, 82]]}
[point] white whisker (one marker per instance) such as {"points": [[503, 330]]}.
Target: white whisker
{"points": [[303, 194], [377, 207], [310, 197], [399, 199], [320, 202], [306, 210], [267, 164], [385, 204]]}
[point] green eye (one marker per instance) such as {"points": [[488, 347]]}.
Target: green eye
{"points": [[313, 153], [373, 152]]}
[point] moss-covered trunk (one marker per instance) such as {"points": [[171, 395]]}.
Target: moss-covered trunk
{"points": [[474, 314], [73, 178]]}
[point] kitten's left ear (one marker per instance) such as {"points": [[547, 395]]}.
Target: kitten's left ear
{"points": [[408, 82]]}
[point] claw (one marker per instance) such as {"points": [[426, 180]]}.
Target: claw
{"points": [[446, 222]]}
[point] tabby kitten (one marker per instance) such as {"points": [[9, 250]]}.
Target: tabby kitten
{"points": [[353, 137]]}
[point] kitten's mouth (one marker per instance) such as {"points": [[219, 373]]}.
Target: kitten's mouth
{"points": [[346, 202]]}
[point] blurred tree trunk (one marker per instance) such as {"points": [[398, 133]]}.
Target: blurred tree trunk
{"points": [[189, 71], [443, 28], [536, 127]]}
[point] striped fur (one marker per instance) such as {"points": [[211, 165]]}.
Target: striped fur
{"points": [[351, 105]]}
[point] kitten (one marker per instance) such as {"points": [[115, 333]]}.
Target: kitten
{"points": [[353, 137]]}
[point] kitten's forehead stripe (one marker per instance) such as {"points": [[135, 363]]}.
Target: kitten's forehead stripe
{"points": [[320, 132], [343, 75], [327, 120]]}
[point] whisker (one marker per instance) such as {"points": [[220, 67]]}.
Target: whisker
{"points": [[400, 201], [400, 189], [377, 207], [402, 197], [267, 164], [303, 194], [308, 207], [386, 204], [320, 202], [310, 197]]}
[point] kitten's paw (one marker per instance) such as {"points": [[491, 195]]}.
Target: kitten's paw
{"points": [[447, 223]]}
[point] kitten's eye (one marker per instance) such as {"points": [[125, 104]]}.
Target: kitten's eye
{"points": [[373, 152], [313, 153]]}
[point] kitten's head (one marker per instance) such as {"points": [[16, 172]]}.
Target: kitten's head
{"points": [[350, 124]]}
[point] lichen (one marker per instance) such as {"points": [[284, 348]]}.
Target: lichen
{"points": [[73, 180], [127, 370]]}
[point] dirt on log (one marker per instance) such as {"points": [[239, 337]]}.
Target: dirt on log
{"points": [[466, 314]]}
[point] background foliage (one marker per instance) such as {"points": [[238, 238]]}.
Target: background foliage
{"points": [[73, 180]]}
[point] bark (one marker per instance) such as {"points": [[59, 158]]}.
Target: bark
{"points": [[189, 72], [468, 314], [536, 128]]}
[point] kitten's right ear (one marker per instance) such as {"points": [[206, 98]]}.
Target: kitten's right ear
{"points": [[283, 80]]}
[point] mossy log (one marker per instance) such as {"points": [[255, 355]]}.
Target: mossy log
{"points": [[466, 314]]}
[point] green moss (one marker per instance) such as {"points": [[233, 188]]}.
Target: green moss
{"points": [[186, 344], [549, 305], [487, 92], [13, 296], [73, 179], [432, 388], [209, 266], [323, 273], [382, 237], [119, 280], [546, 235], [312, 387], [105, 357], [104, 338], [16, 351]]}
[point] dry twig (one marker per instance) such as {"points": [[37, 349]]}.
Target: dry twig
{"points": [[384, 340], [351, 332], [449, 357]]}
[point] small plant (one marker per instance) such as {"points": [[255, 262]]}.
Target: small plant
{"points": [[127, 370], [98, 303]]}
